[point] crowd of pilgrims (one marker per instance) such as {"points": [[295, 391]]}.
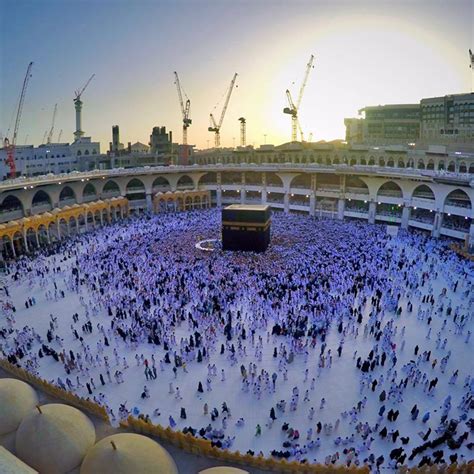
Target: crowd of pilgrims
{"points": [[142, 284]]}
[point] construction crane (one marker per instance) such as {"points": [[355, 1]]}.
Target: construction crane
{"points": [[78, 92], [216, 127], [51, 130], [293, 108], [243, 131], [26, 139], [44, 137], [78, 106], [59, 136], [10, 146], [185, 108]]}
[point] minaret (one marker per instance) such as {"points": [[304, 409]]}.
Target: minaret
{"points": [[78, 105]]}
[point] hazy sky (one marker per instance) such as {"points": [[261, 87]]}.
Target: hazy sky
{"points": [[367, 53]]}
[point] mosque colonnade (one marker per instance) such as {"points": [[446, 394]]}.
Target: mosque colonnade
{"points": [[439, 206], [29, 233]]}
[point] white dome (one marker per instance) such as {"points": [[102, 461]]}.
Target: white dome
{"points": [[54, 440], [17, 398], [128, 453], [223, 470]]}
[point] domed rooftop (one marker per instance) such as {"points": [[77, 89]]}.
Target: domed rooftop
{"points": [[17, 398], [223, 470], [54, 438], [128, 453]]}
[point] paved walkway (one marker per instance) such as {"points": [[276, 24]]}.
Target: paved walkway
{"points": [[187, 463]]}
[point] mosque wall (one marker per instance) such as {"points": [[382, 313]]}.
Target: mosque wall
{"points": [[436, 202]]}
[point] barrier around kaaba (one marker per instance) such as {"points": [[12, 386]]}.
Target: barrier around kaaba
{"points": [[246, 227]]}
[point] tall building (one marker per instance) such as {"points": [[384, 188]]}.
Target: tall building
{"points": [[437, 121], [33, 161], [115, 145], [448, 119], [390, 124], [161, 142], [354, 130]]}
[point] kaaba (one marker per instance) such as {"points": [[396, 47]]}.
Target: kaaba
{"points": [[246, 227]]}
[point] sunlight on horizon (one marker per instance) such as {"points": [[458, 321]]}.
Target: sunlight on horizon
{"points": [[363, 57]]}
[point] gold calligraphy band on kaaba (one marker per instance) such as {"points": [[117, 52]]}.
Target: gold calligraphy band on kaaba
{"points": [[245, 224]]}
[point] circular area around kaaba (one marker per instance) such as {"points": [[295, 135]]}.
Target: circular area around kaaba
{"points": [[338, 343]]}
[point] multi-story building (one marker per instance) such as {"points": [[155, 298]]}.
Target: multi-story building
{"points": [[385, 125], [448, 119], [51, 157], [354, 130], [33, 161], [161, 142]]}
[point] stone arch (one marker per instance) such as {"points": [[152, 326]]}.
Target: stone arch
{"points": [[90, 218], [441, 165], [420, 165], [89, 193], [390, 188], [423, 191], [73, 225], [458, 198], [96, 215], [111, 189], [185, 182], [274, 180], [161, 184], [471, 168], [356, 185], [18, 241], [53, 232], [41, 200], [135, 185], [67, 194], [12, 203], [430, 165], [63, 226], [451, 166], [30, 235], [301, 181], [462, 167], [208, 178]]}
